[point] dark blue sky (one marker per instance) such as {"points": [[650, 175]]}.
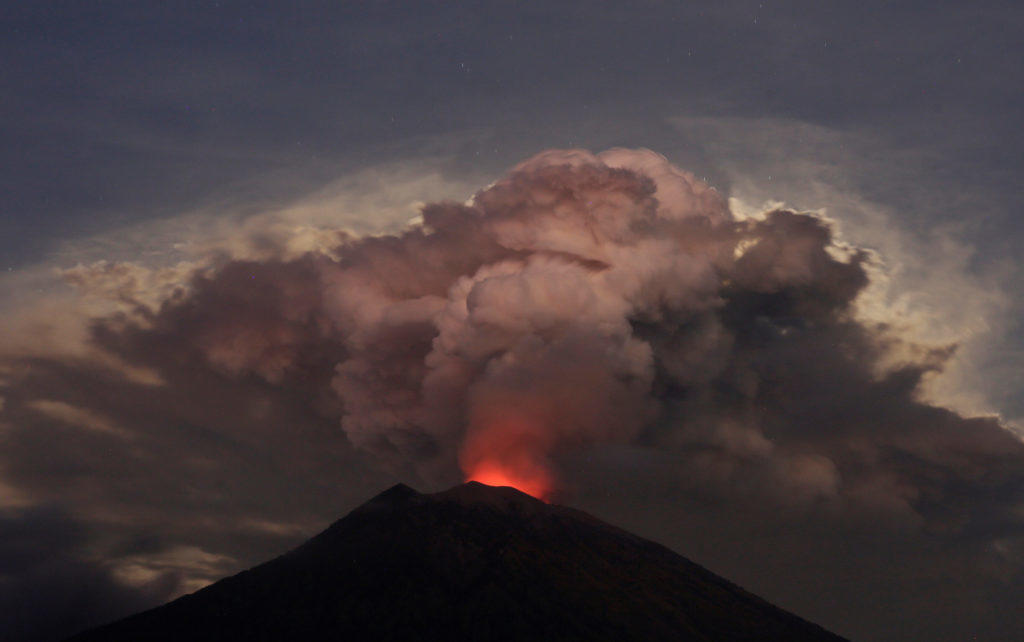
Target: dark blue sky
{"points": [[116, 112]]}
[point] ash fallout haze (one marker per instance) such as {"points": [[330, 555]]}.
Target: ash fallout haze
{"points": [[740, 277]]}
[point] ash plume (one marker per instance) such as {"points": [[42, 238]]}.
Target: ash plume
{"points": [[594, 328], [584, 301]]}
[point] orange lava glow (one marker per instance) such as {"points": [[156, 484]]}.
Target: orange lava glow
{"points": [[532, 480]]}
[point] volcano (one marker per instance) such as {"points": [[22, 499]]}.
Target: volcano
{"points": [[474, 562]]}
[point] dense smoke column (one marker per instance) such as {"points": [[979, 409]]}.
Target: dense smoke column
{"points": [[586, 301]]}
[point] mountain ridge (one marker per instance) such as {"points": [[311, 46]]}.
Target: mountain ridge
{"points": [[473, 562]]}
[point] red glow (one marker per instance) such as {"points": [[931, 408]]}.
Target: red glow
{"points": [[531, 480], [507, 446]]}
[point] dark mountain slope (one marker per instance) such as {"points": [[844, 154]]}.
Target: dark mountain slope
{"points": [[471, 563]]}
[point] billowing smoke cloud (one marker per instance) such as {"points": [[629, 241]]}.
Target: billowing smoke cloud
{"points": [[590, 326], [583, 300], [499, 333]]}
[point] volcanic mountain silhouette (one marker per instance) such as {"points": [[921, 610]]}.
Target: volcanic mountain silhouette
{"points": [[474, 562]]}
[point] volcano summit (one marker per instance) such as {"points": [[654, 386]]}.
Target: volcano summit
{"points": [[474, 562]]}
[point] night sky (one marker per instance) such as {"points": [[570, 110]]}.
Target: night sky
{"points": [[740, 277]]}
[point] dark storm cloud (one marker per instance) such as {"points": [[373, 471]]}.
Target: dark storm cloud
{"points": [[602, 325], [50, 584]]}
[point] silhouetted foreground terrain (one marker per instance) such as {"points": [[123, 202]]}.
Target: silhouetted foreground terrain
{"points": [[472, 563]]}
